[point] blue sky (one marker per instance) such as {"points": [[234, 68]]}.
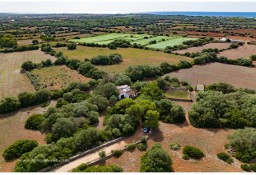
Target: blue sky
{"points": [[123, 6]]}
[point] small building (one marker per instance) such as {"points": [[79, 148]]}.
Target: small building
{"points": [[199, 87], [223, 39], [125, 91]]}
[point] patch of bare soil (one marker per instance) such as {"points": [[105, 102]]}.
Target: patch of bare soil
{"points": [[12, 129], [207, 46], [239, 76]]}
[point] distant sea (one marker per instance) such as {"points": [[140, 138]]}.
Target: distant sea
{"points": [[218, 14]]}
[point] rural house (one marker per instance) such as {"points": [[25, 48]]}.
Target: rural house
{"points": [[200, 87], [125, 91]]}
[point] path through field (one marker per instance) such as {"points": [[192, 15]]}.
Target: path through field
{"points": [[12, 82]]}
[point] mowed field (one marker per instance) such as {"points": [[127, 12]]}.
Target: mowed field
{"points": [[201, 48], [131, 57], [241, 52], [239, 76], [58, 77], [12, 82], [12, 129]]}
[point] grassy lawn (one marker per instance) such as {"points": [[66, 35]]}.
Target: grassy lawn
{"points": [[57, 77], [178, 94], [12, 82], [131, 57], [171, 42]]}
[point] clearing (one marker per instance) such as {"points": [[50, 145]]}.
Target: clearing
{"points": [[12, 82], [239, 76], [241, 52], [131, 57], [57, 77], [177, 94], [207, 46], [12, 129]]}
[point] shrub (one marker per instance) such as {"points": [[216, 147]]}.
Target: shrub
{"points": [[246, 167], [105, 168], [72, 46], [9, 104], [102, 154], [253, 167], [130, 147], [117, 153], [34, 121], [225, 157], [193, 152], [174, 146], [18, 148], [142, 146], [185, 157]]}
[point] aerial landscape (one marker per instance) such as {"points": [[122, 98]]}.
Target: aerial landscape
{"points": [[135, 91]]}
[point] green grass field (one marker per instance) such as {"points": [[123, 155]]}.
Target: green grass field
{"points": [[141, 39], [177, 94], [131, 57], [171, 42]]}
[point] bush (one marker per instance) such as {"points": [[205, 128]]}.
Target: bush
{"points": [[9, 104], [117, 153], [185, 157], [102, 154], [34, 121], [193, 152], [174, 146], [18, 148], [253, 167], [103, 168], [107, 60], [130, 147], [72, 46], [142, 146], [225, 157], [156, 160], [246, 167]]}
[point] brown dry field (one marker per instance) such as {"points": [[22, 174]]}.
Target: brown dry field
{"points": [[58, 77], [209, 34], [239, 76], [26, 42], [12, 82], [12, 129], [243, 31], [207, 46], [210, 141], [241, 52]]}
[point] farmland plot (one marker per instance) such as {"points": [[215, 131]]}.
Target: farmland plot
{"points": [[201, 48], [239, 76], [171, 42], [12, 82], [57, 77], [131, 57]]}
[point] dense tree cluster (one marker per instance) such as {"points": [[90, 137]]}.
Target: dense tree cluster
{"points": [[18, 148], [8, 41], [243, 141], [156, 160], [20, 49], [107, 60], [119, 44], [214, 109], [34, 122]]}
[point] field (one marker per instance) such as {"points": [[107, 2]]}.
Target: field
{"points": [[171, 42], [131, 57], [207, 46], [12, 82], [57, 77], [210, 141], [238, 76], [26, 42], [142, 39], [108, 38], [12, 129], [241, 52], [177, 94]]}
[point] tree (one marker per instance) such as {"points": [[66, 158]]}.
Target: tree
{"points": [[34, 122], [18, 148], [35, 42], [107, 90], [28, 66], [8, 40], [151, 119], [99, 101], [156, 160], [72, 46], [151, 92], [243, 141], [26, 99], [9, 104], [122, 79]]}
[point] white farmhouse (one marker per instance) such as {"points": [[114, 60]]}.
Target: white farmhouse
{"points": [[125, 91]]}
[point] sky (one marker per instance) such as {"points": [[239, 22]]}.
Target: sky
{"points": [[124, 6]]}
